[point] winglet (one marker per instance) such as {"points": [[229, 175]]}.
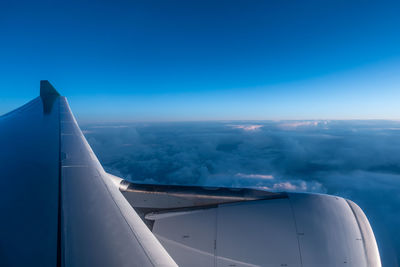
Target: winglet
{"points": [[48, 95], [47, 90]]}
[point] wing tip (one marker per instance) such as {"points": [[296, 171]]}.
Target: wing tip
{"points": [[48, 94], [46, 89]]}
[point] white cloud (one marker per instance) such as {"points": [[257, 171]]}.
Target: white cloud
{"points": [[252, 127], [295, 124], [286, 186], [255, 176]]}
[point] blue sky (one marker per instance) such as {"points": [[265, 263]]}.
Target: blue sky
{"points": [[205, 60]]}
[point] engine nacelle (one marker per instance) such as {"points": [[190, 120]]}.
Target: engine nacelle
{"points": [[297, 229]]}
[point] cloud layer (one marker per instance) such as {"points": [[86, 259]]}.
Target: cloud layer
{"points": [[359, 160]]}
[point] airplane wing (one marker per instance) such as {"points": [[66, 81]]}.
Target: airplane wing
{"points": [[60, 208], [58, 205]]}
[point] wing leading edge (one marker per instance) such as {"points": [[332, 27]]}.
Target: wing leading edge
{"points": [[62, 208]]}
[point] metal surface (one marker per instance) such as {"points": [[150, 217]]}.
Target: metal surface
{"points": [[328, 231], [29, 171], [100, 228], [367, 235], [177, 196], [267, 237], [304, 230], [189, 236], [59, 207]]}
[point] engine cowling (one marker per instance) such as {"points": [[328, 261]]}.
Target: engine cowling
{"points": [[297, 229]]}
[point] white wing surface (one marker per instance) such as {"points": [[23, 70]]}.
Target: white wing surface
{"points": [[60, 208]]}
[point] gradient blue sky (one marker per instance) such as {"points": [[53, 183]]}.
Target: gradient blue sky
{"points": [[205, 60]]}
